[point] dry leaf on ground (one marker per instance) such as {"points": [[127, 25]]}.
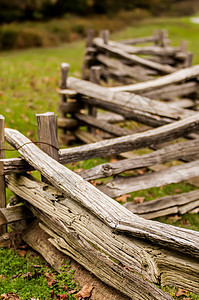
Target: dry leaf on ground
{"points": [[139, 199], [85, 292], [123, 198], [50, 279], [181, 292]]}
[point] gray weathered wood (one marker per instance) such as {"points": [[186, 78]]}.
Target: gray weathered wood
{"points": [[131, 142], [178, 76], [64, 216], [69, 107], [47, 135], [2, 178], [139, 40], [112, 146], [158, 207], [67, 123], [132, 57], [38, 239], [171, 152], [172, 91], [123, 185], [103, 125], [150, 50], [106, 209], [117, 67], [95, 73], [14, 214], [125, 103]]}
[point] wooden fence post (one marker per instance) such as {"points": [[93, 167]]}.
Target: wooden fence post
{"points": [[63, 97], [104, 34], [3, 228], [156, 35], [89, 54], [95, 74], [47, 135]]}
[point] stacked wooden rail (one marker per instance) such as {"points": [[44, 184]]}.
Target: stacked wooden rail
{"points": [[128, 102], [122, 249], [126, 62]]}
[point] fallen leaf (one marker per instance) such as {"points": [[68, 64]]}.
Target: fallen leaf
{"points": [[78, 170], [177, 191], [95, 183], [138, 199], [36, 266], [123, 198], [22, 253], [9, 296], [141, 171], [85, 292], [50, 279], [2, 277], [112, 160], [27, 275], [181, 292]]}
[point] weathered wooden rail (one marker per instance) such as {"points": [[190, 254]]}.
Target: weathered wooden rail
{"points": [[84, 223], [124, 62]]}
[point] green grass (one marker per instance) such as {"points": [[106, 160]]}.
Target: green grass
{"points": [[28, 85], [13, 276]]}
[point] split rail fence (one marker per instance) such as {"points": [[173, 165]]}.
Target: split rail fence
{"points": [[64, 212], [128, 62], [122, 249]]}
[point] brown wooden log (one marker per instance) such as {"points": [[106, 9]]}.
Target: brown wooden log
{"points": [[176, 77], [3, 229], [169, 153], [107, 210]]}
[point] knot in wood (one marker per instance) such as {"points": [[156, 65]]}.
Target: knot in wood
{"points": [[107, 170]]}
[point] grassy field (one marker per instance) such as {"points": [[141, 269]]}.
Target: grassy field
{"points": [[28, 85]]}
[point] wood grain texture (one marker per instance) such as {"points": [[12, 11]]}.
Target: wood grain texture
{"points": [[71, 222], [132, 57], [122, 185], [103, 207], [178, 76], [174, 204], [125, 103], [169, 153], [112, 146], [2, 178]]}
